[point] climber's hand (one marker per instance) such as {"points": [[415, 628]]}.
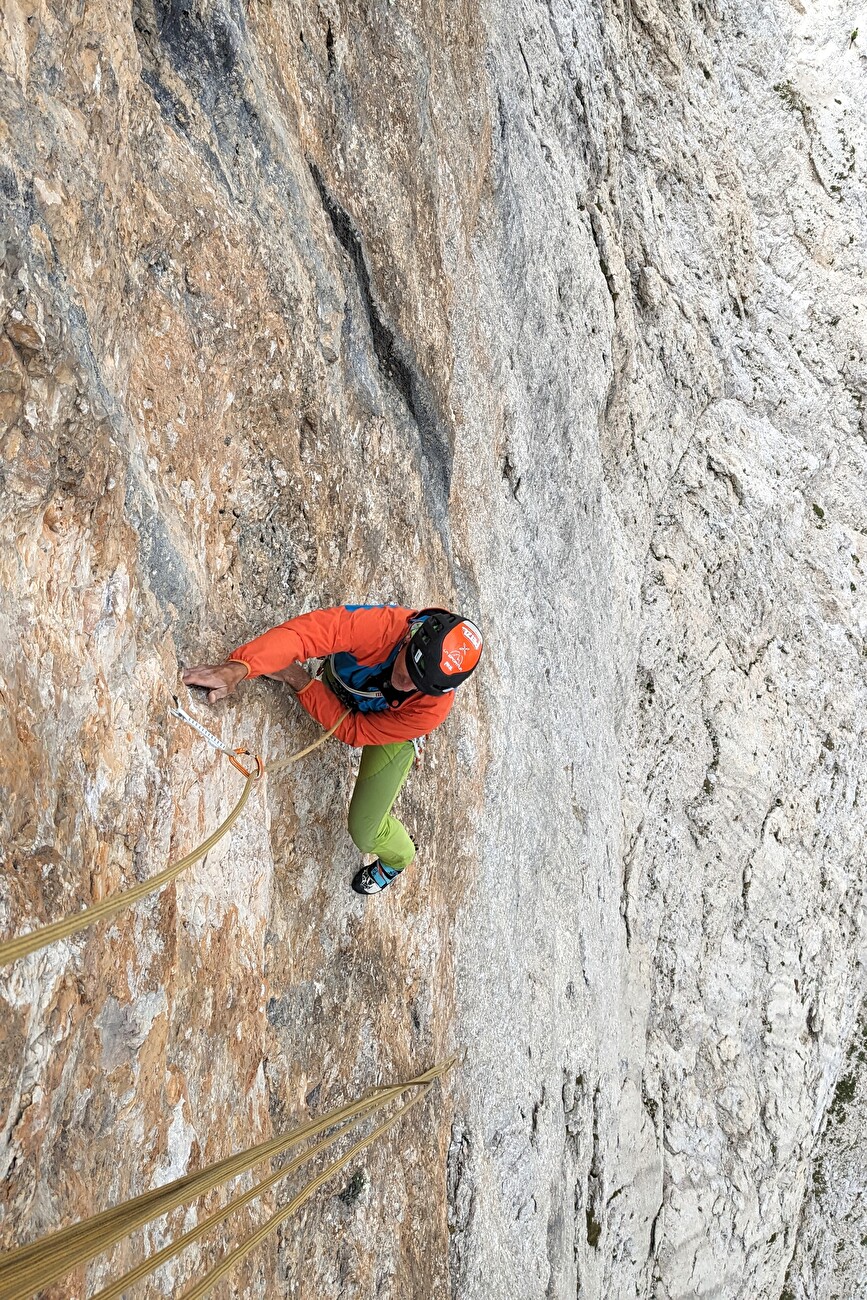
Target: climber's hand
{"points": [[220, 680]]}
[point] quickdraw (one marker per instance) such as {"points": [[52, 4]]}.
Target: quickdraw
{"points": [[214, 741], [23, 944]]}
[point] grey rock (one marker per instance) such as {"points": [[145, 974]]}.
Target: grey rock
{"points": [[552, 312]]}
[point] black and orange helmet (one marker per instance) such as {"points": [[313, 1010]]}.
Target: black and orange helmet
{"points": [[443, 650]]}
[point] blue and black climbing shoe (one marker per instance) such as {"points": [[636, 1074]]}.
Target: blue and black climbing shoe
{"points": [[373, 879]]}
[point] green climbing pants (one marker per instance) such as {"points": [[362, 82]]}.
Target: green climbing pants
{"points": [[384, 768]]}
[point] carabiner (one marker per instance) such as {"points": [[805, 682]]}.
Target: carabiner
{"points": [[251, 776]]}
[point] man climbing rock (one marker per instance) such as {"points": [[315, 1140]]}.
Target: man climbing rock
{"points": [[395, 669]]}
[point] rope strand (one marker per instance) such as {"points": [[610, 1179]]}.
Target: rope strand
{"points": [[42, 1262], [24, 944], [235, 1256]]}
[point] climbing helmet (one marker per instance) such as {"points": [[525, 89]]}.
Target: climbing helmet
{"points": [[443, 650]]}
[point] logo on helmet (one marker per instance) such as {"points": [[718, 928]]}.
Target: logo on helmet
{"points": [[473, 635], [462, 649], [454, 660]]}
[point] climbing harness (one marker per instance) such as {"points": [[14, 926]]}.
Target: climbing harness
{"points": [[42, 936], [45, 1261]]}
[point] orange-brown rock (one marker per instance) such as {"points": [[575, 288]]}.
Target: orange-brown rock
{"points": [[552, 312]]}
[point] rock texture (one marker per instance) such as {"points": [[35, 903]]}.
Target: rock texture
{"points": [[553, 311]]}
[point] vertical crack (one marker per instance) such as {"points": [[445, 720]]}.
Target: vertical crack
{"points": [[394, 361]]}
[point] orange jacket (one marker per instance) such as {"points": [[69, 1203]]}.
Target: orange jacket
{"points": [[370, 634]]}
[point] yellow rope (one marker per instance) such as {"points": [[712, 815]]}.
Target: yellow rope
{"points": [[302, 753], [153, 1262], [35, 1266], [24, 944], [235, 1256], [12, 949]]}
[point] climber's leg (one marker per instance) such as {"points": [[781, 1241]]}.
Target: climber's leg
{"points": [[384, 768]]}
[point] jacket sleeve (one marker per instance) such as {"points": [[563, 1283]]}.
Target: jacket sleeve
{"points": [[413, 719], [315, 635]]}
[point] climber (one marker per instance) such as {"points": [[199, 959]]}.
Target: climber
{"points": [[395, 669]]}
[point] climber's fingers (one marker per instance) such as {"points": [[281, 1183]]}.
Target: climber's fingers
{"points": [[219, 680]]}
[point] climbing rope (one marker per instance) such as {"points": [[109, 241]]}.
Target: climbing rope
{"points": [[24, 944], [45, 1261], [235, 1256], [149, 1265], [42, 1263], [153, 1262]]}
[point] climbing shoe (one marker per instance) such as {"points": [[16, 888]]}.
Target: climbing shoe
{"points": [[373, 879]]}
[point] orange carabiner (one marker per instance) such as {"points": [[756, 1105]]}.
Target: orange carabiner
{"points": [[251, 776]]}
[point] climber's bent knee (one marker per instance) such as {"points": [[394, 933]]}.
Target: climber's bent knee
{"points": [[363, 829]]}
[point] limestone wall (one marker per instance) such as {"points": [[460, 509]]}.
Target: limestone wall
{"points": [[553, 312]]}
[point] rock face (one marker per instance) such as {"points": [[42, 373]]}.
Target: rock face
{"points": [[552, 312]]}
